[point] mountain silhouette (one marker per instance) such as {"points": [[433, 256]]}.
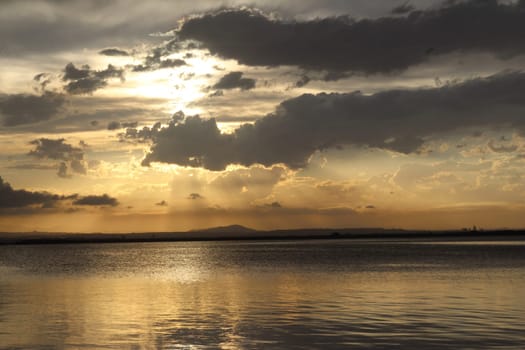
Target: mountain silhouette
{"points": [[228, 229]]}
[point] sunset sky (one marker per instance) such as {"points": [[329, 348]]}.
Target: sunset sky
{"points": [[128, 116]]}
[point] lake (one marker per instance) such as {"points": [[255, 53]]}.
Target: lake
{"points": [[310, 294]]}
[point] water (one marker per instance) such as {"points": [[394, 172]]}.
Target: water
{"points": [[264, 295]]}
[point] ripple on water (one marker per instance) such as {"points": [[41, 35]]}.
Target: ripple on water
{"points": [[240, 295]]}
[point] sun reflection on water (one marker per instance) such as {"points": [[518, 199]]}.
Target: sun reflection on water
{"points": [[260, 295]]}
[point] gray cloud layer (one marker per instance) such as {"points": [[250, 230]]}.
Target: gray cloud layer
{"points": [[382, 45], [397, 120], [19, 109]]}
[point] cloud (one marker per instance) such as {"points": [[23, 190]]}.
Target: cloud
{"points": [[31, 166], [70, 157], [193, 142], [380, 45], [11, 198], [245, 186], [85, 86], [397, 120], [194, 196], [73, 73], [42, 79], [113, 52], [440, 178], [62, 170], [234, 80], [162, 203], [55, 149], [115, 125], [303, 80], [501, 148], [13, 201], [20, 109], [403, 9], [155, 61], [217, 93], [89, 113], [86, 81], [48, 26], [94, 200], [145, 134], [273, 205], [78, 167]]}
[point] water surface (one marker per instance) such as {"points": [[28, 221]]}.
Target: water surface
{"points": [[263, 295]]}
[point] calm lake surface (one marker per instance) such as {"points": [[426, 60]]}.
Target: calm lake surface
{"points": [[264, 295]]}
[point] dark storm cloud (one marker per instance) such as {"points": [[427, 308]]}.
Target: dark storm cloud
{"points": [[234, 80], [84, 80], [382, 45], [397, 120], [20, 109], [93, 200], [113, 52], [47, 26], [11, 198]]}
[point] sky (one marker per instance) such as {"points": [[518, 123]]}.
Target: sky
{"points": [[143, 116]]}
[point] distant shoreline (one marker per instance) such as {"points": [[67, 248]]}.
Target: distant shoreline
{"points": [[252, 235]]}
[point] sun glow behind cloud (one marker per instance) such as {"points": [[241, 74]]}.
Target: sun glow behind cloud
{"points": [[179, 86], [339, 138]]}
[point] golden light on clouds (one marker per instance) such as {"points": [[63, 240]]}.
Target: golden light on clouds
{"points": [[300, 135]]}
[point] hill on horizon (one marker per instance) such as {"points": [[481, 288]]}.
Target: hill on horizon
{"points": [[227, 229]]}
